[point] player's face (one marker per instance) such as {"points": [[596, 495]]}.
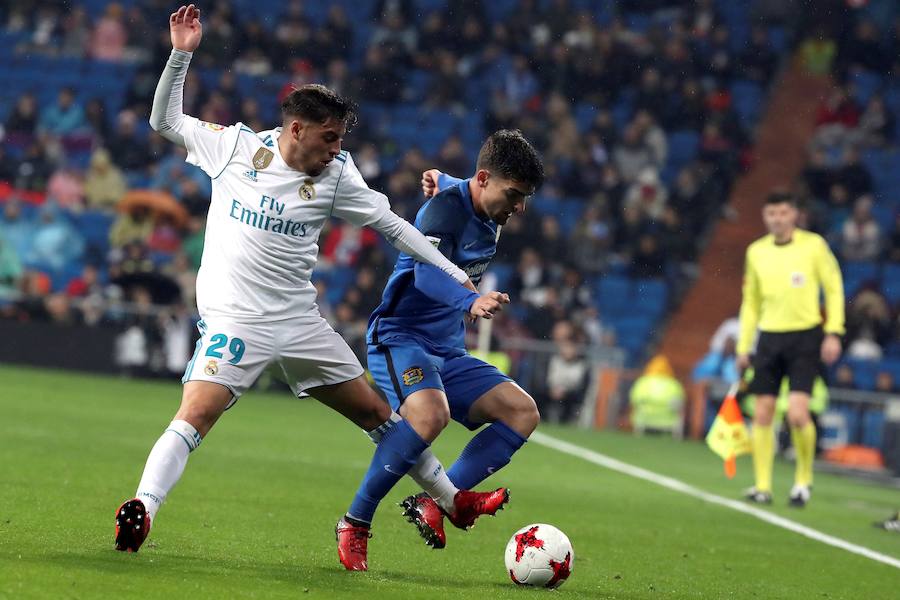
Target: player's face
{"points": [[503, 198], [780, 218], [317, 143]]}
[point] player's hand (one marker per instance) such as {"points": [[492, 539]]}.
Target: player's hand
{"points": [[742, 362], [488, 305], [831, 349], [185, 28], [430, 182], [470, 286]]}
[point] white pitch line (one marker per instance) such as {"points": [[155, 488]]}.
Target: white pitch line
{"points": [[679, 486]]}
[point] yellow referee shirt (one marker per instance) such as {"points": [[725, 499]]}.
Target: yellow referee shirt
{"points": [[782, 285]]}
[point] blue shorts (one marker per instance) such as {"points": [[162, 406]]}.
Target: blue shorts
{"points": [[401, 367]]}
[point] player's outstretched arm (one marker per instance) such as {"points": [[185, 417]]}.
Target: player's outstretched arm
{"points": [[406, 238], [166, 116]]}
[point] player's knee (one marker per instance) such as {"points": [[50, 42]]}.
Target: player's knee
{"points": [[522, 414]]}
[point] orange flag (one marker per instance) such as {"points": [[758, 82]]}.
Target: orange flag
{"points": [[728, 436]]}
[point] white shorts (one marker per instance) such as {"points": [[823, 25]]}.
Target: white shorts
{"points": [[303, 351]]}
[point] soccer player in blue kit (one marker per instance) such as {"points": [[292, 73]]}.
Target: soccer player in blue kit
{"points": [[417, 352]]}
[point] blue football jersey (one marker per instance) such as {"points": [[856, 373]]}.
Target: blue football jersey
{"points": [[449, 221]]}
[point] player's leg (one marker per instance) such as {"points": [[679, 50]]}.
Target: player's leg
{"points": [[222, 368], [768, 367], [802, 370], [479, 393]]}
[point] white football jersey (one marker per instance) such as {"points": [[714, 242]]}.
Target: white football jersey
{"points": [[264, 221]]}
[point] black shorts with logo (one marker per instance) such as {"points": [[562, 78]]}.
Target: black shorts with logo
{"points": [[795, 354]]}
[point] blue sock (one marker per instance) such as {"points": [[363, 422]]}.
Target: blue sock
{"points": [[486, 453], [397, 452]]}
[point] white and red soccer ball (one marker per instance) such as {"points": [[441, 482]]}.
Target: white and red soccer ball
{"points": [[539, 555]]}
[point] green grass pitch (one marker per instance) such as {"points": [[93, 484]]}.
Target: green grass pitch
{"points": [[253, 516]]}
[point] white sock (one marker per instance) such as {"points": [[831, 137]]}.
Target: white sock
{"points": [[166, 464], [428, 471]]}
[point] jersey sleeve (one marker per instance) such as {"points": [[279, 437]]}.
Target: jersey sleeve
{"points": [[749, 317], [444, 181], [354, 201], [833, 288], [210, 146], [439, 222]]}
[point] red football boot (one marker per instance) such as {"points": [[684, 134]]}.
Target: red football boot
{"points": [[132, 525], [469, 505], [423, 512], [353, 545]]}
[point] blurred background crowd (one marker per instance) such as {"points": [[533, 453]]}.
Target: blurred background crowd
{"points": [[644, 111]]}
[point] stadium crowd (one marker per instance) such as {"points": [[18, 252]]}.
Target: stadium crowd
{"points": [[641, 120]]}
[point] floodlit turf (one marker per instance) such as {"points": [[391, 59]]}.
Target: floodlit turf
{"points": [[254, 514]]}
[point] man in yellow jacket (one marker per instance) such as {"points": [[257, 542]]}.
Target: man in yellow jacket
{"points": [[785, 272]]}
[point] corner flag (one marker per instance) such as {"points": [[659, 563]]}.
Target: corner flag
{"points": [[728, 436]]}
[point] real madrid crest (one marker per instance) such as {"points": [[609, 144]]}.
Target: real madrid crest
{"points": [[212, 367], [307, 191], [262, 158]]}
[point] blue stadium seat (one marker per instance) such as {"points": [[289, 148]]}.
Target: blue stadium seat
{"points": [[613, 295], [747, 97], [683, 145], [651, 297], [873, 428], [864, 372], [864, 85]]}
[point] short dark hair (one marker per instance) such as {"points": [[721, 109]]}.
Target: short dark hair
{"points": [[781, 197], [317, 103], [508, 154]]}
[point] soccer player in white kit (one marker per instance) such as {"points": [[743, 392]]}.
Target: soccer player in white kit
{"points": [[272, 192]]}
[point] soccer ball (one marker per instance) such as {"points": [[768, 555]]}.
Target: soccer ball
{"points": [[539, 555]]}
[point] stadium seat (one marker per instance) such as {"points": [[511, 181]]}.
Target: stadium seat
{"points": [[873, 428]]}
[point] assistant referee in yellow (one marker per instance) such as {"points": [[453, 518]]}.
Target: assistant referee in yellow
{"points": [[784, 274]]}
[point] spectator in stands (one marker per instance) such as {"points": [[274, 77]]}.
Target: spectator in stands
{"points": [[76, 32], [86, 284], [836, 118], [554, 245], [520, 86], [818, 175], [56, 243], [95, 119], [23, 120], [868, 324], [567, 377], [34, 168], [63, 118], [379, 78], [134, 226], [648, 259], [166, 236], [66, 188], [15, 228], [719, 364], [657, 398], [817, 52], [863, 50], [844, 378], [110, 35], [104, 184], [632, 155], [647, 195], [893, 245], [853, 175], [653, 137], [877, 124], [885, 384], [129, 150], [861, 234], [530, 281], [758, 60], [10, 269]]}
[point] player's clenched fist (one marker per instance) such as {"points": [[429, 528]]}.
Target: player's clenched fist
{"points": [[430, 182], [185, 28], [489, 304]]}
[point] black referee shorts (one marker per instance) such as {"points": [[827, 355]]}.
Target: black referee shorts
{"points": [[796, 354]]}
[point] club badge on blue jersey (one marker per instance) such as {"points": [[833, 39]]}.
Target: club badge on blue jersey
{"points": [[413, 375]]}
